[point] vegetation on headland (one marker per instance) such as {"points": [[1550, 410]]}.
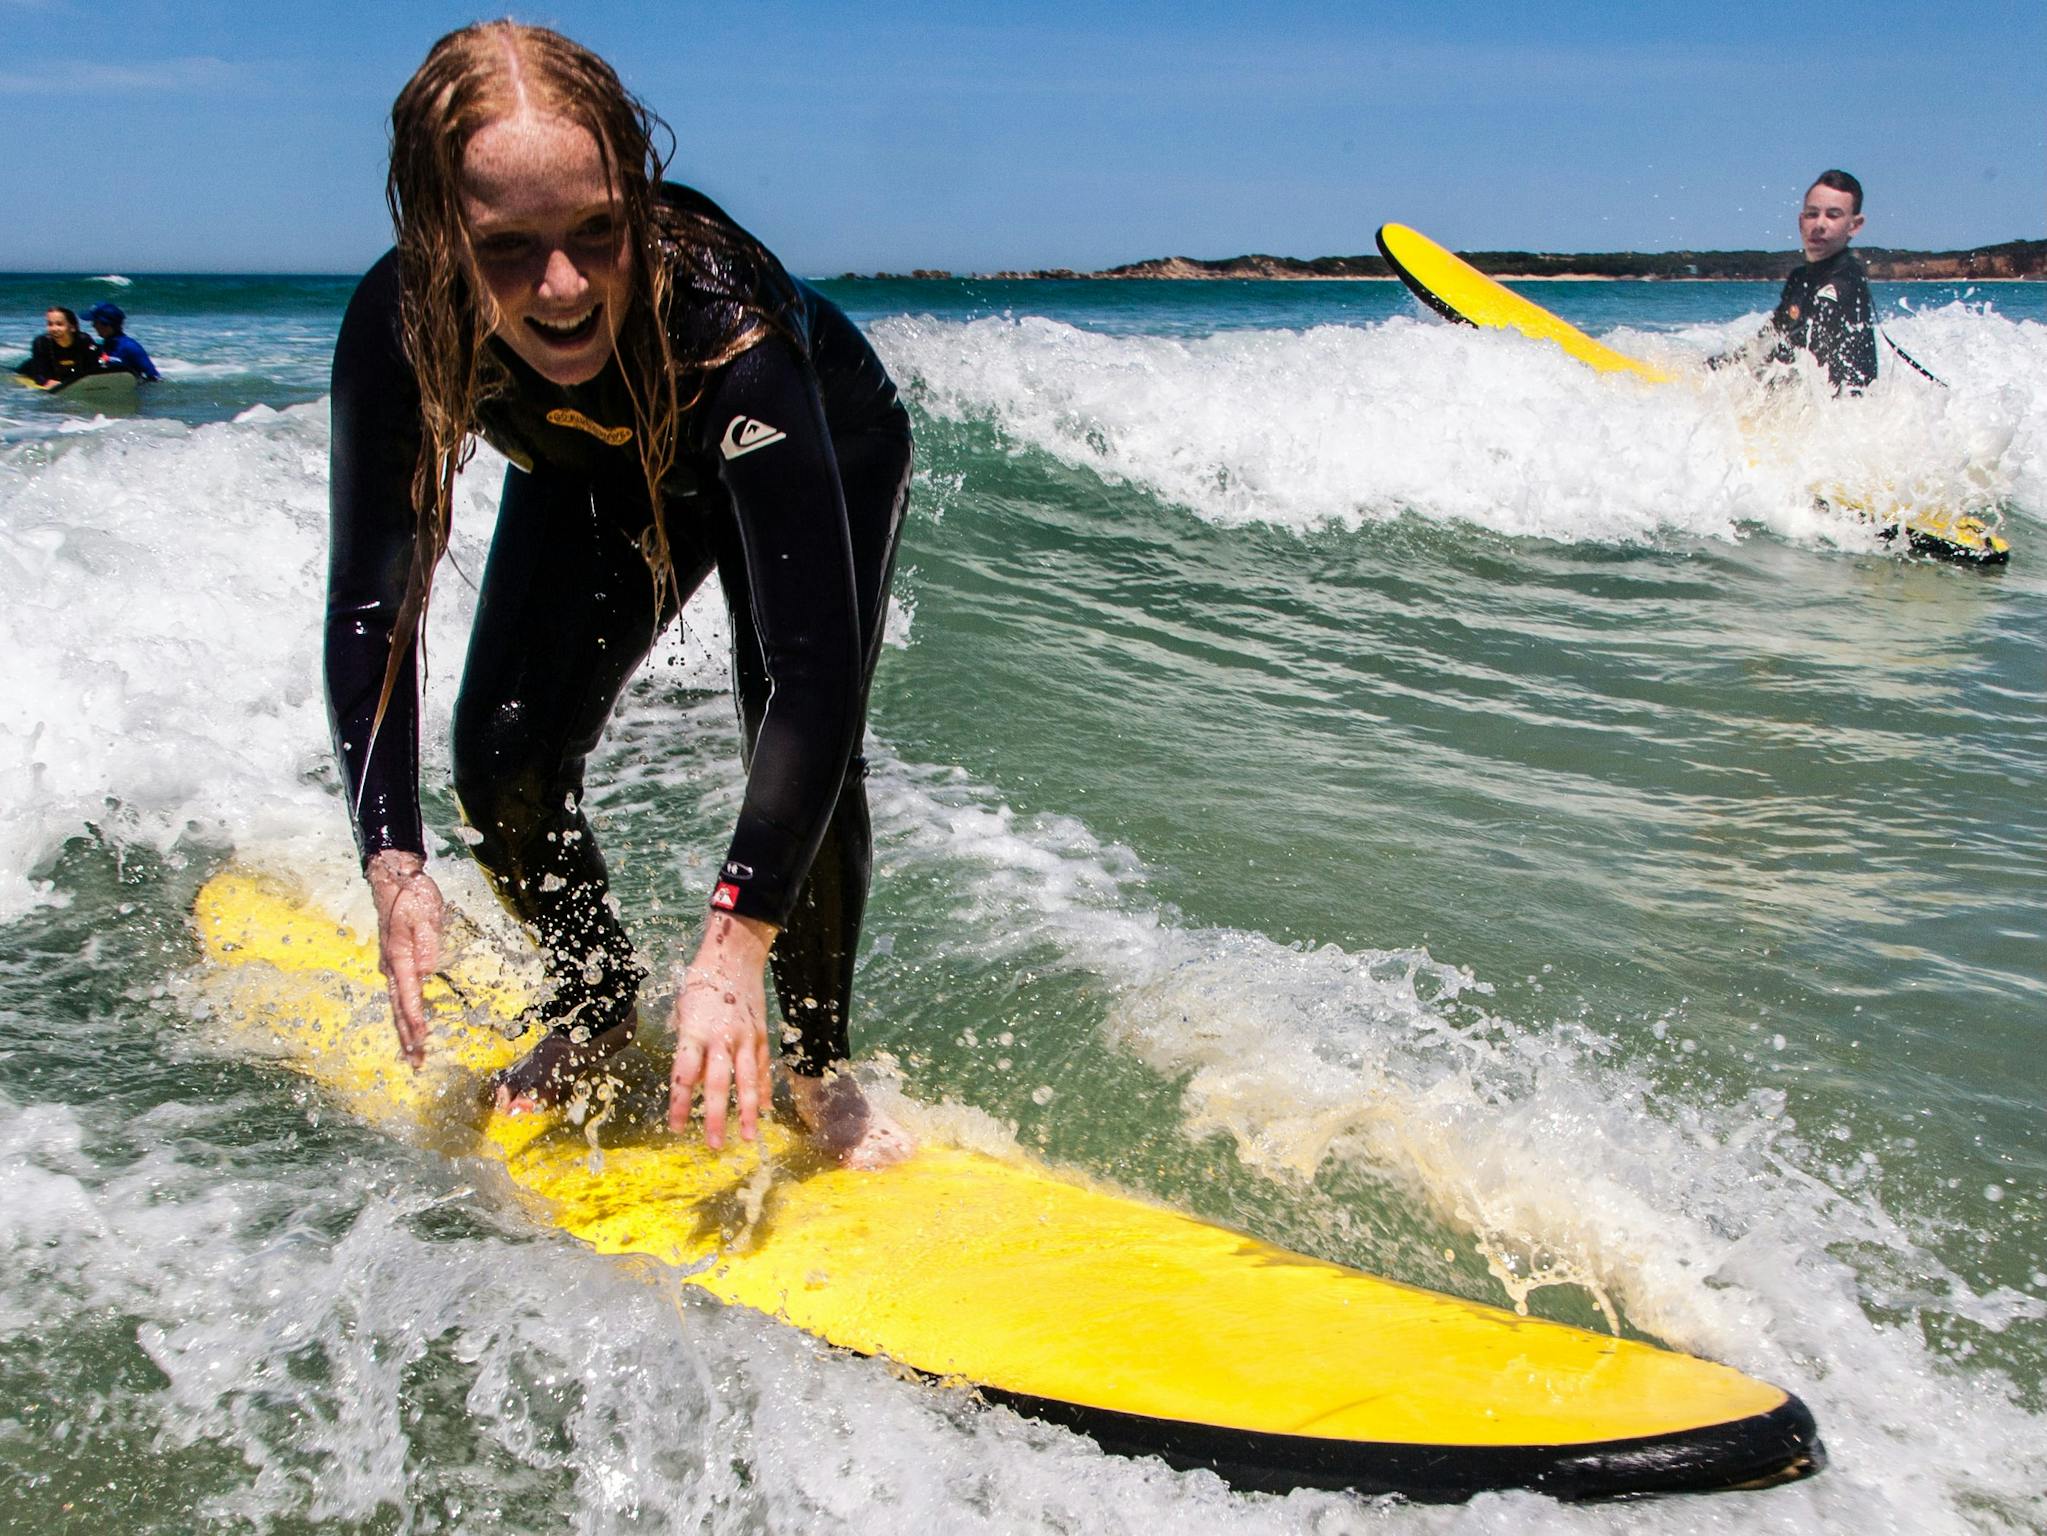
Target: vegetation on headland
{"points": [[2012, 259]]}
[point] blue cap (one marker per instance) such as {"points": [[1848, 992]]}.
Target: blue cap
{"points": [[106, 312]]}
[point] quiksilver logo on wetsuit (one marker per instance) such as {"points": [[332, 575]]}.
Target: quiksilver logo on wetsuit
{"points": [[613, 437], [743, 435]]}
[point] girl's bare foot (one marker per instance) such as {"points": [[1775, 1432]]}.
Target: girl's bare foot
{"points": [[843, 1123], [549, 1074]]}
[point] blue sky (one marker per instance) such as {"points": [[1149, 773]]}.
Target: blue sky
{"points": [[184, 135]]}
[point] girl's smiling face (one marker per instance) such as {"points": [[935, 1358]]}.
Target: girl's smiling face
{"points": [[547, 238]]}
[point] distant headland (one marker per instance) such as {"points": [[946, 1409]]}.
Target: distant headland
{"points": [[2021, 259]]}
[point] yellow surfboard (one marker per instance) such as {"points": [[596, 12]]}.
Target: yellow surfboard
{"points": [[1148, 1330], [1458, 291], [102, 390]]}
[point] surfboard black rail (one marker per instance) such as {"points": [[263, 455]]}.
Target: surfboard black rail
{"points": [[1780, 1446]]}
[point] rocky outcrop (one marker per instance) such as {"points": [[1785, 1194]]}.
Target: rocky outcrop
{"points": [[2013, 259], [1281, 267]]}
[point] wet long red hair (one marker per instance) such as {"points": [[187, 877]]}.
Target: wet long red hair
{"points": [[472, 78]]}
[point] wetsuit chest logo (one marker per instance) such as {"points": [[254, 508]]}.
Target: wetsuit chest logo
{"points": [[611, 437]]}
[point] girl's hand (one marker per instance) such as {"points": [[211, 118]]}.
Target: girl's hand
{"points": [[410, 914], [721, 1028]]}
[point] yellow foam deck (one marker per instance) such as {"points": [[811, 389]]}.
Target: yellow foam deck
{"points": [[1457, 290], [1147, 1329]]}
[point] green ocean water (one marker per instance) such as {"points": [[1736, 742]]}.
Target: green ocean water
{"points": [[1376, 785]]}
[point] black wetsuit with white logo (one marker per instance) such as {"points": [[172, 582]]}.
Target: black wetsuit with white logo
{"points": [[1826, 310], [790, 480]]}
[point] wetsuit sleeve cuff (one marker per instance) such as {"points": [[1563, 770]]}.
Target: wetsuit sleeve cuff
{"points": [[748, 901], [386, 839], [759, 877]]}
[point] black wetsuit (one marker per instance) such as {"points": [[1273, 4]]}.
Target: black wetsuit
{"points": [[790, 480], [1826, 310], [49, 362]]}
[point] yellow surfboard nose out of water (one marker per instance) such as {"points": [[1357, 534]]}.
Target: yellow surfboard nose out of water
{"points": [[1144, 1328], [1457, 290]]}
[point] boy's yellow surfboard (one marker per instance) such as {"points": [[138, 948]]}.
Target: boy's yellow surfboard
{"points": [[1148, 1330], [1458, 291]]}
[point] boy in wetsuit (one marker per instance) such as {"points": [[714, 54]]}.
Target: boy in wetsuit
{"points": [[1825, 308], [119, 352]]}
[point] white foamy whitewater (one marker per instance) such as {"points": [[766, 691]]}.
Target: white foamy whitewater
{"points": [[1346, 425]]}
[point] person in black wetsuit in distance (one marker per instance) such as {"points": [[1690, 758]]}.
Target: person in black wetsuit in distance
{"points": [[673, 403], [1825, 308], [62, 353]]}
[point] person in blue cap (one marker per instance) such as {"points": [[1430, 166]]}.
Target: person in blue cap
{"points": [[119, 352]]}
